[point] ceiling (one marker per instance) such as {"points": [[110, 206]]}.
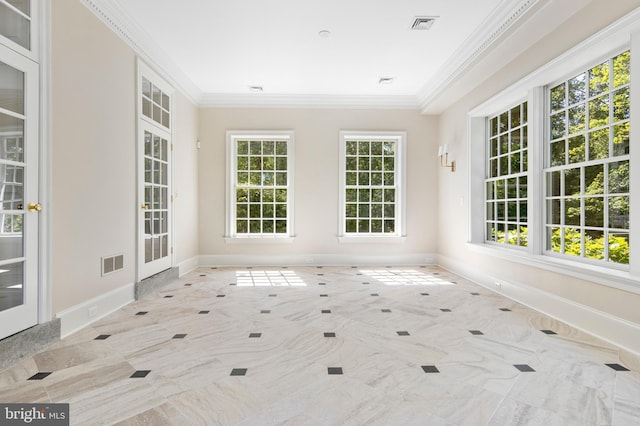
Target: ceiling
{"points": [[216, 50]]}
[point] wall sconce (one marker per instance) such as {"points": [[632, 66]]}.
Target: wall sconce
{"points": [[443, 153]]}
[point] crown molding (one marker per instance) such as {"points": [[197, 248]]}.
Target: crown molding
{"points": [[486, 36], [137, 39], [481, 41], [263, 100]]}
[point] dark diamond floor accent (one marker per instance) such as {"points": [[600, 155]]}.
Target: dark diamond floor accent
{"points": [[525, 368], [265, 311], [254, 335], [322, 283], [548, 332], [475, 294], [140, 374], [188, 285], [402, 333], [375, 294], [324, 295], [168, 297], [445, 310], [179, 336], [102, 337], [334, 370], [424, 294], [505, 309], [142, 313], [41, 375], [365, 283], [386, 311], [329, 334], [239, 372], [617, 367], [326, 311], [476, 332], [221, 295], [273, 295], [430, 369], [204, 312]]}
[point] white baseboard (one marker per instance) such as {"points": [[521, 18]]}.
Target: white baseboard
{"points": [[188, 265], [77, 317], [316, 260], [603, 325]]}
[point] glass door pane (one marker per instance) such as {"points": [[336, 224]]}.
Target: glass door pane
{"points": [[12, 172], [15, 21], [156, 194]]}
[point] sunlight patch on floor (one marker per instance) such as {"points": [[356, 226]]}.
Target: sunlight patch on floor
{"points": [[404, 277], [268, 279]]}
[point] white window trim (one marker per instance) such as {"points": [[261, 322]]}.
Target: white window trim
{"points": [[230, 211], [623, 34], [400, 169]]}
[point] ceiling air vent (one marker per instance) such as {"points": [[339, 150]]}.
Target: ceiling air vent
{"points": [[423, 22]]}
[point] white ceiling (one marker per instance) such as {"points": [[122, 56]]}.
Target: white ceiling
{"points": [[215, 50]]}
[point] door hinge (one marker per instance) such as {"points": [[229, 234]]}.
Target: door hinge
{"points": [[171, 250], [172, 147], [172, 198]]}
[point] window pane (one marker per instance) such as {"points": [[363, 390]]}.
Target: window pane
{"points": [[557, 153], [572, 182], [621, 104], [619, 212], [621, 69], [621, 139], [619, 248], [577, 89], [558, 98], [573, 211], [594, 179], [599, 79], [594, 212], [14, 26], [576, 149], [594, 244], [599, 144], [619, 177], [599, 112]]}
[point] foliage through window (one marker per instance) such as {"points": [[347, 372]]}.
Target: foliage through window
{"points": [[371, 184], [506, 186], [262, 178], [587, 163]]}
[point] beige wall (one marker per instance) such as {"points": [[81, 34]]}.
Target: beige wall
{"points": [[94, 158], [186, 180], [316, 178], [453, 188]]}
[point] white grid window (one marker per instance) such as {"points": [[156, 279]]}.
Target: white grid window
{"points": [[506, 183], [156, 104], [372, 184], [261, 176], [587, 163]]}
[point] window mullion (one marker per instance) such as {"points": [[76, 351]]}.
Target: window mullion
{"points": [[536, 204]]}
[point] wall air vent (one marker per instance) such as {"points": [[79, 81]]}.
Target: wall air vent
{"points": [[111, 264], [423, 22]]}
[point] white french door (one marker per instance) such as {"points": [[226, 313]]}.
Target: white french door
{"points": [[19, 207], [155, 253]]}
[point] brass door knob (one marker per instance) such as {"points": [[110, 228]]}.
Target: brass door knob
{"points": [[34, 207], [144, 207]]}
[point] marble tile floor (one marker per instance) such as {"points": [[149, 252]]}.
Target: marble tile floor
{"points": [[330, 346]]}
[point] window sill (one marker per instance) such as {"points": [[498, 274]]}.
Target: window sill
{"points": [[262, 239], [371, 239], [619, 279]]}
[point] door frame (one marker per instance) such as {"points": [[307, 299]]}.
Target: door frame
{"points": [[40, 55], [144, 123]]}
